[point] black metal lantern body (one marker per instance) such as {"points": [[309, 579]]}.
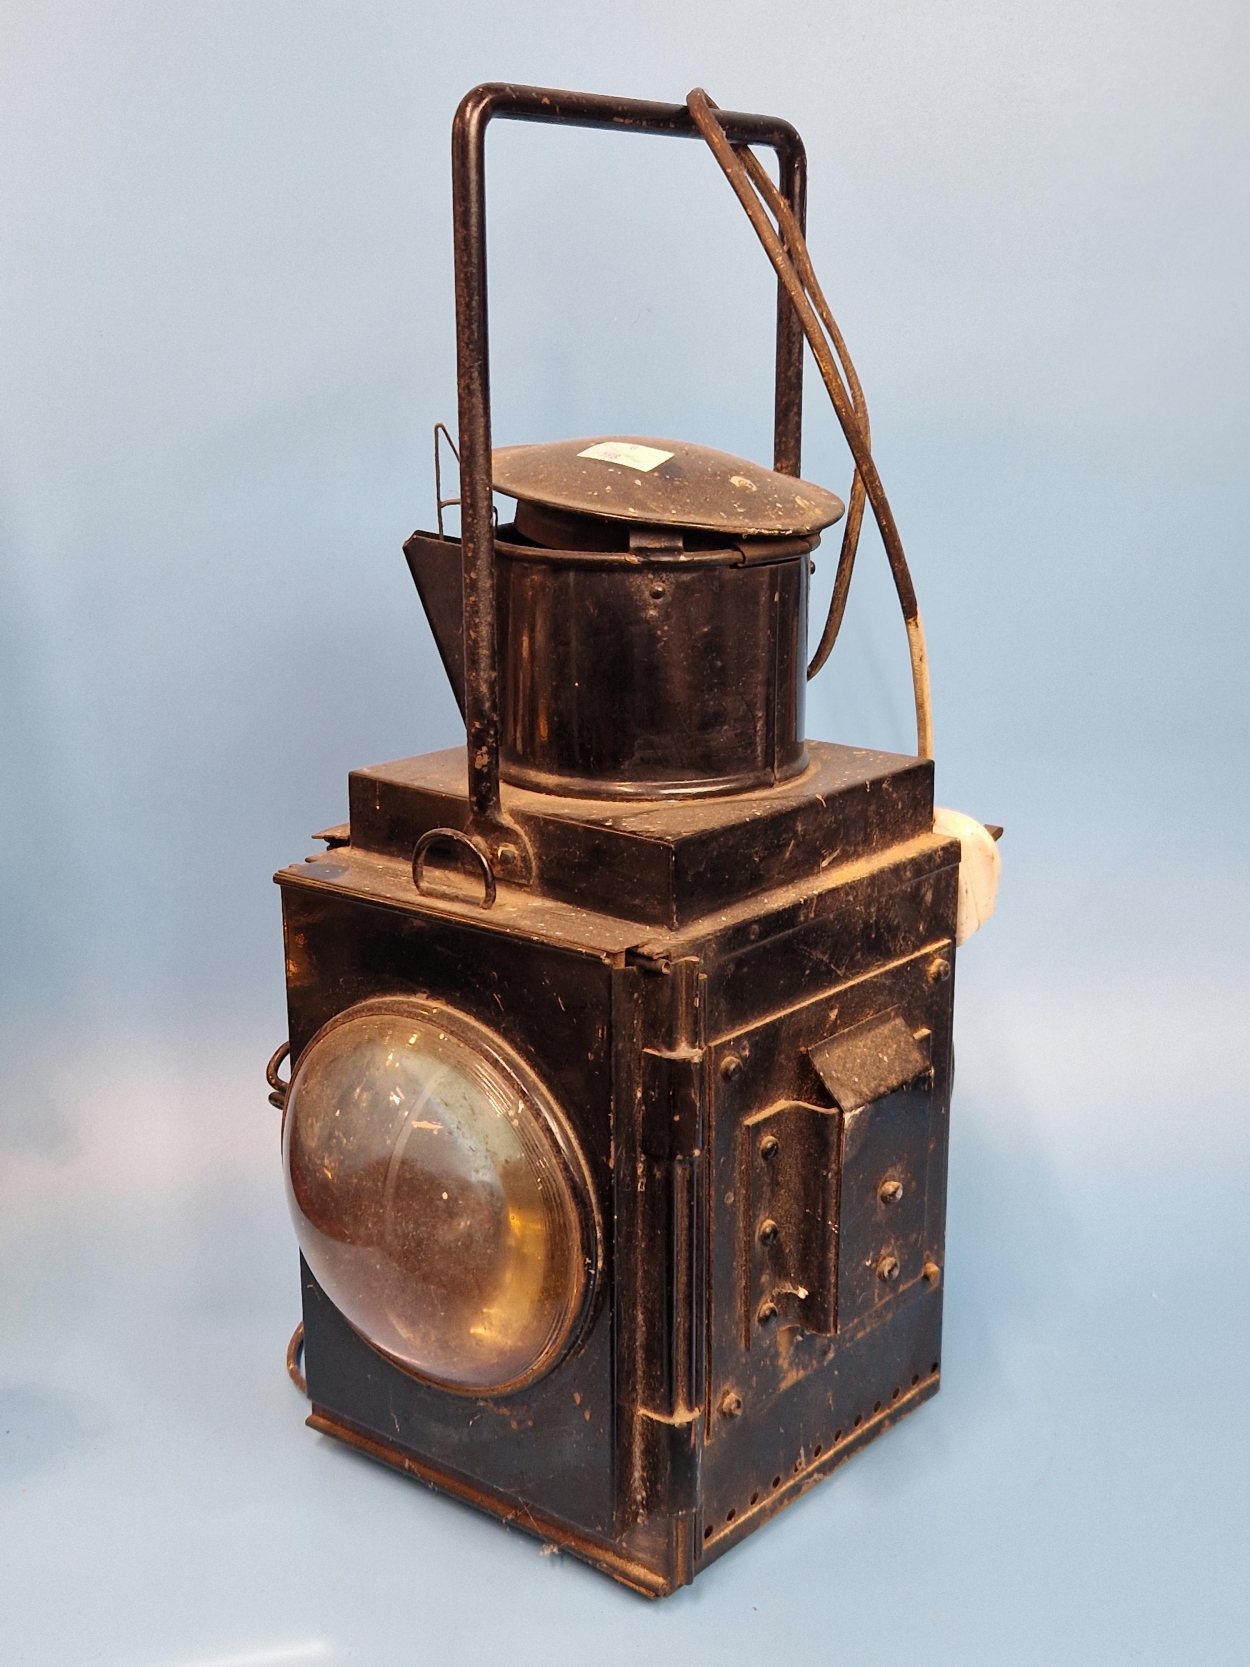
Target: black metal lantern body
{"points": [[622, 1197], [776, 1051]]}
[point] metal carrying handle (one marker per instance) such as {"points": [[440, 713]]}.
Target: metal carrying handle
{"points": [[453, 836], [468, 187], [294, 1359], [279, 1088]]}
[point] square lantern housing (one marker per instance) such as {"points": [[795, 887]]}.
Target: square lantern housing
{"points": [[758, 1088]]}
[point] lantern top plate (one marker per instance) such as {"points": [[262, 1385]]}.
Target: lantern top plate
{"points": [[664, 483]]}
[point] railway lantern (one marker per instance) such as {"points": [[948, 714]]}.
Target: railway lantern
{"points": [[615, 1138]]}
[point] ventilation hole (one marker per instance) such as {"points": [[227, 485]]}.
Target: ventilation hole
{"points": [[933, 1368], [707, 1532], [755, 1499], [876, 1406], [732, 1514], [859, 1419], [817, 1450], [895, 1395], [915, 1379], [837, 1436], [776, 1481]]}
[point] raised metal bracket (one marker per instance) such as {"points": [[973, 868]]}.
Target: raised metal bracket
{"points": [[869, 1060]]}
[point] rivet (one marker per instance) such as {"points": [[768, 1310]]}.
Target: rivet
{"points": [[890, 1191], [887, 1267], [938, 970], [731, 1404], [730, 1066], [767, 1312], [507, 856], [932, 1273], [769, 1147], [768, 1232]]}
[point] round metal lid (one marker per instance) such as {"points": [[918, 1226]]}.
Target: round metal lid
{"points": [[664, 483]]}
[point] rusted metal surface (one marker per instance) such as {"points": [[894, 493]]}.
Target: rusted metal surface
{"points": [[664, 483]]}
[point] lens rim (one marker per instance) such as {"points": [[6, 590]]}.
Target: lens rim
{"points": [[562, 1142]]}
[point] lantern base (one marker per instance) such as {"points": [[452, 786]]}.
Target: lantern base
{"points": [[608, 1559]]}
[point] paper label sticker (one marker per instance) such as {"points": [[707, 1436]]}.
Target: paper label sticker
{"points": [[642, 458]]}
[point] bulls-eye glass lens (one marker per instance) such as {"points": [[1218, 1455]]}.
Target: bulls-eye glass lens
{"points": [[431, 1199]]}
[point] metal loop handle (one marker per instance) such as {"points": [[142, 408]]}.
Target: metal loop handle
{"points": [[280, 1088], [294, 1354], [453, 836], [468, 185]]}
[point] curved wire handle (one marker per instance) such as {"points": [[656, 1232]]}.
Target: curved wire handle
{"points": [[787, 250], [279, 1088], [453, 836], [294, 1357]]}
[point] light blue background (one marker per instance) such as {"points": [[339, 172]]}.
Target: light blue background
{"points": [[225, 335]]}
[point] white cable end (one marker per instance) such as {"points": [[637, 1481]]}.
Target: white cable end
{"points": [[979, 868]]}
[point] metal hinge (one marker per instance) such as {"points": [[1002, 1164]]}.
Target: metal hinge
{"points": [[672, 1103]]}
